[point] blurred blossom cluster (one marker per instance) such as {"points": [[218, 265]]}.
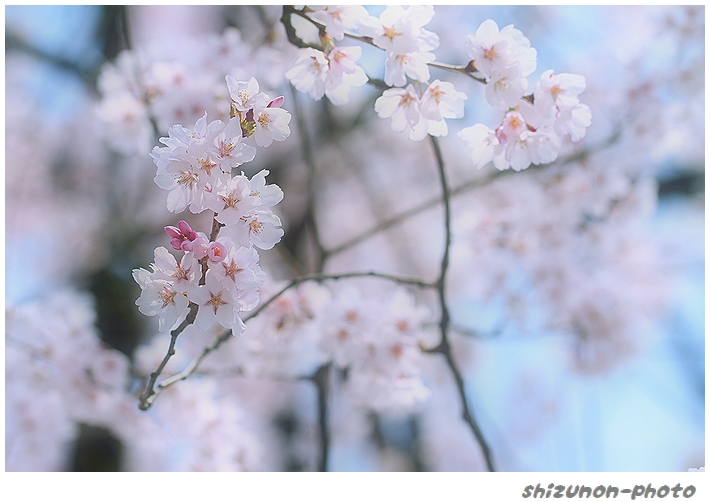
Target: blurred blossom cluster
{"points": [[495, 212]]}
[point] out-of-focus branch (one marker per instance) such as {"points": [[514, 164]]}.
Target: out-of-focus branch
{"points": [[149, 395], [87, 75], [308, 158], [467, 70], [291, 31], [444, 348], [465, 187], [494, 333], [227, 335], [321, 380]]}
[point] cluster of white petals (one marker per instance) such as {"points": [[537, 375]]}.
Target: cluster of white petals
{"points": [[423, 115], [532, 127], [408, 46], [374, 337], [504, 57], [61, 375], [331, 73], [220, 276], [177, 83], [400, 33]]}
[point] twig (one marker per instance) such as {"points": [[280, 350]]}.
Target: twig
{"points": [[463, 188], [467, 70], [320, 379], [444, 347], [195, 363], [149, 395], [291, 31], [308, 158]]}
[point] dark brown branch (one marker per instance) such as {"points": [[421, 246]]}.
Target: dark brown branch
{"points": [[467, 70], [444, 347], [321, 381], [227, 335], [308, 158], [149, 395], [465, 187], [291, 31]]}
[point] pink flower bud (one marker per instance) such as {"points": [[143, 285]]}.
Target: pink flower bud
{"points": [[180, 234], [276, 102], [173, 232], [216, 252], [513, 125], [177, 238], [198, 246], [186, 230]]}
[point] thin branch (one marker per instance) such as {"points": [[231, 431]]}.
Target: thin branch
{"points": [[291, 31], [309, 160], [321, 381], [444, 347], [467, 70], [466, 413], [149, 395], [465, 187], [87, 75], [494, 333], [216, 226]]}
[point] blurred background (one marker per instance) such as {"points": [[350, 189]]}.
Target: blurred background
{"points": [[576, 289]]}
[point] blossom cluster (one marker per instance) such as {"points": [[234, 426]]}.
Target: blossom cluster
{"points": [[177, 82], [219, 275], [374, 336], [60, 375], [532, 126], [593, 286]]}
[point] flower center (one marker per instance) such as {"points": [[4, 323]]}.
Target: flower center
{"points": [[167, 296], [490, 53], [255, 226], [180, 273], [231, 270], [225, 149], [243, 97], [391, 32], [207, 165], [264, 120], [187, 178], [215, 301], [230, 201]]}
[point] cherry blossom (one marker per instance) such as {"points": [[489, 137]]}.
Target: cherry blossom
{"points": [[331, 74], [260, 228], [338, 18], [232, 200], [308, 72], [412, 64], [401, 31], [402, 105], [159, 297], [239, 267], [245, 95], [483, 140], [271, 124], [504, 51], [216, 304]]}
